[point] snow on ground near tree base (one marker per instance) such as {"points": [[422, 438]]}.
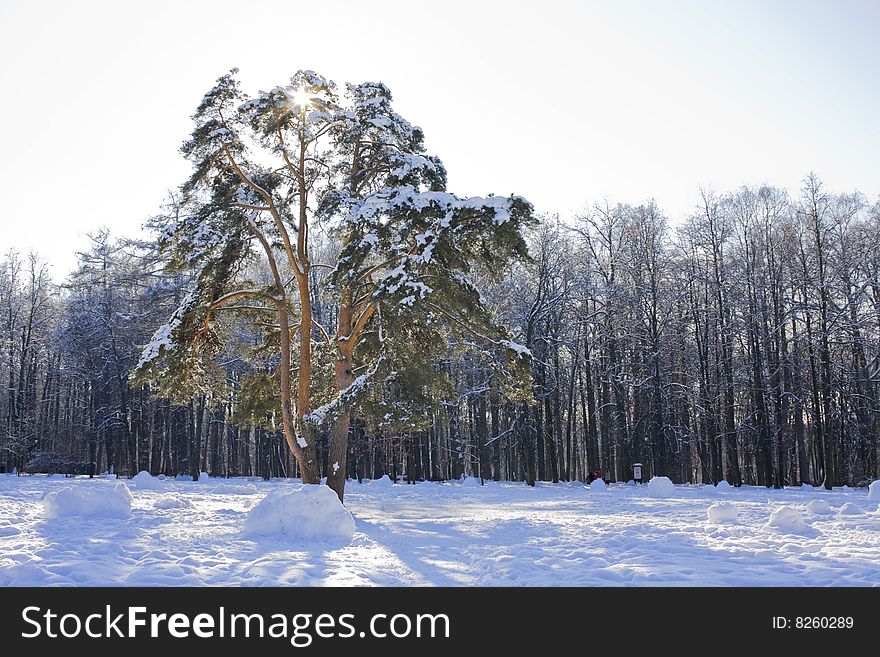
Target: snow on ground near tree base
{"points": [[444, 534], [301, 513]]}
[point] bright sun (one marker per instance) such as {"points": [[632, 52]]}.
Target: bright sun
{"points": [[302, 98]]}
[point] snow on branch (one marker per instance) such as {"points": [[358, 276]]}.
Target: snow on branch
{"points": [[345, 398], [521, 350], [162, 338], [409, 197]]}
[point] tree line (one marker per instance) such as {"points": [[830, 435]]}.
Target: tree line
{"points": [[740, 343]]}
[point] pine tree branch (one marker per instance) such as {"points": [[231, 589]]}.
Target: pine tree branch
{"points": [[273, 210]]}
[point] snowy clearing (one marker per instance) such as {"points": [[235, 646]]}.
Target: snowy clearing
{"points": [[449, 534]]}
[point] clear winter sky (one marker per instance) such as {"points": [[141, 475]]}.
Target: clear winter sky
{"points": [[562, 102]]}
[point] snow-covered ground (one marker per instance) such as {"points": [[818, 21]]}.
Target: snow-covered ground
{"points": [[451, 534]]}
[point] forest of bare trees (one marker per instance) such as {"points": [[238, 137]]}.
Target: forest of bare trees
{"points": [[738, 343]]}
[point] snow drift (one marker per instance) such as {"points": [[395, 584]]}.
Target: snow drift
{"points": [[234, 489], [301, 512], [382, 482], [788, 520], [661, 487], [173, 503], [97, 501], [598, 486], [722, 512], [849, 509], [820, 507], [204, 477], [143, 480], [874, 491]]}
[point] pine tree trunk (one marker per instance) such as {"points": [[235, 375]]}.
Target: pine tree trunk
{"points": [[304, 454], [338, 456]]}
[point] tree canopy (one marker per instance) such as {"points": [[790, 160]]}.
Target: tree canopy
{"points": [[279, 175]]}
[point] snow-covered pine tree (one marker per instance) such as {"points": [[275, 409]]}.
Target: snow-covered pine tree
{"points": [[302, 157]]}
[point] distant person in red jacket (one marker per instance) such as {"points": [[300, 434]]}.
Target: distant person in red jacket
{"points": [[594, 475]]}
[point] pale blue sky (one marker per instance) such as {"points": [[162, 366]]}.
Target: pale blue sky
{"points": [[562, 102]]}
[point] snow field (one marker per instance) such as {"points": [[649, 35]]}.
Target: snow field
{"points": [[500, 534], [173, 503], [234, 489]]}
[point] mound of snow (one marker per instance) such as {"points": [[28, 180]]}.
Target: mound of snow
{"points": [[598, 486], [471, 482], [631, 482], [849, 509], [173, 503], [204, 477], [306, 511], [819, 506], [143, 480], [722, 512], [247, 489], [382, 482], [661, 487], [723, 485], [874, 491], [806, 486], [788, 520], [99, 501]]}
